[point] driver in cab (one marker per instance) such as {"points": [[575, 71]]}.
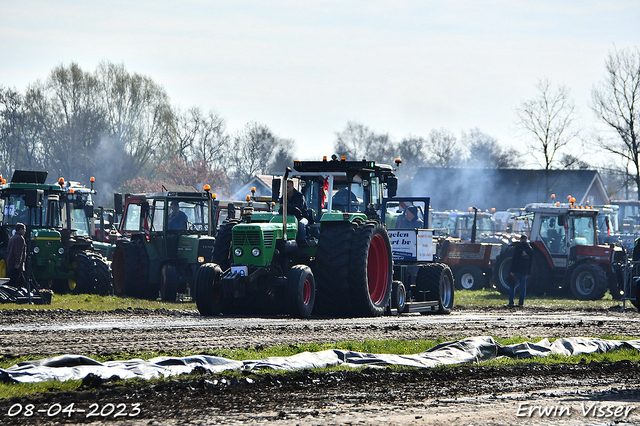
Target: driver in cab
{"points": [[410, 220], [177, 219]]}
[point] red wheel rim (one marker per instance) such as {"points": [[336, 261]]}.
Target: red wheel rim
{"points": [[306, 292], [377, 269]]}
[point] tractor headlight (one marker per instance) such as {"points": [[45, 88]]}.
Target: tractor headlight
{"points": [[238, 252], [60, 251], [200, 259], [36, 250], [255, 252]]}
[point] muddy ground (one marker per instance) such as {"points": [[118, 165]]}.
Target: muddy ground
{"points": [[587, 393]]}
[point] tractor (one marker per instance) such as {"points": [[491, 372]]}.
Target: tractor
{"points": [[566, 257], [334, 259], [61, 257], [155, 255]]}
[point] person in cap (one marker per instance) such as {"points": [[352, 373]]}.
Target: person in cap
{"points": [[177, 218], [17, 256], [411, 219], [520, 269]]}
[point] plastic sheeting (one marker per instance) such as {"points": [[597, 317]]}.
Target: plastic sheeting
{"points": [[474, 349]]}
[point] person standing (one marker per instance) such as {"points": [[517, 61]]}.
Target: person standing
{"points": [[520, 269], [17, 256]]}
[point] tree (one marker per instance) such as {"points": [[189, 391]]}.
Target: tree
{"points": [[442, 148], [572, 162], [548, 118], [616, 102], [357, 141], [485, 152]]}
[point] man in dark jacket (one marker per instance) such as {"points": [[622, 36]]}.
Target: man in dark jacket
{"points": [[410, 220], [17, 256], [520, 269]]}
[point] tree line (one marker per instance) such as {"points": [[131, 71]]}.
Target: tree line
{"points": [[121, 128]]}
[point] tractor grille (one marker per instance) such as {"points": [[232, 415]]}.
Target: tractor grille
{"points": [[268, 238], [246, 237]]}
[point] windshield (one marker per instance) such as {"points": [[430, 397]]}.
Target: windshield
{"points": [[14, 210], [583, 231]]}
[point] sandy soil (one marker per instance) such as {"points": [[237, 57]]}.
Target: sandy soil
{"points": [[587, 393]]}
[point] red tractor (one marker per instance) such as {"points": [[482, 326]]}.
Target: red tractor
{"points": [[567, 258]]}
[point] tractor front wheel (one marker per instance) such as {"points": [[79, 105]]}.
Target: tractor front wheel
{"points": [[84, 268], [208, 292], [222, 245], [301, 291], [469, 278], [588, 282], [502, 269]]}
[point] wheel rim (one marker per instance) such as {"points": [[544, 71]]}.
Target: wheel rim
{"points": [[3, 269], [467, 281], [377, 269], [585, 283], [401, 299], [306, 292]]}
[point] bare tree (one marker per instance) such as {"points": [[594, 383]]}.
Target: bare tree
{"points": [[443, 150], [357, 141], [616, 101], [548, 119], [485, 152]]}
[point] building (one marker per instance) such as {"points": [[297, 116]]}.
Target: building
{"points": [[458, 189]]}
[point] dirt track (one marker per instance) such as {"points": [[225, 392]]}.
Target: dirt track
{"points": [[461, 396]]}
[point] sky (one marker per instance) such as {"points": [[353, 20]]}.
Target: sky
{"points": [[306, 68]]}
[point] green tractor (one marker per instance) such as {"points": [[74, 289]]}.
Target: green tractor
{"points": [[60, 257], [334, 259], [163, 240]]}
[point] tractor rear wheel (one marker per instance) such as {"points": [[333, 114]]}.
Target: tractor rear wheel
{"points": [[301, 291], [222, 245], [84, 268], [118, 269], [435, 281], [168, 282], [588, 282], [208, 294], [541, 280], [104, 287], [3, 268], [332, 268], [371, 270], [502, 269], [469, 278], [145, 288]]}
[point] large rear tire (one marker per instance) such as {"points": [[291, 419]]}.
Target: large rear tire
{"points": [[371, 270], [168, 282], [146, 289], [301, 291], [588, 282], [502, 269], [435, 280], [541, 280], [222, 246], [104, 285], [208, 292], [469, 278], [332, 268], [84, 268]]}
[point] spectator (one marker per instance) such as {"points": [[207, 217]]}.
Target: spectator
{"points": [[520, 269], [17, 256]]}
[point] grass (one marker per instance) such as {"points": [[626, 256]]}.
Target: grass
{"points": [[93, 302], [468, 299], [9, 390]]}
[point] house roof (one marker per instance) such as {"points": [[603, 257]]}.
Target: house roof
{"points": [[502, 188]]}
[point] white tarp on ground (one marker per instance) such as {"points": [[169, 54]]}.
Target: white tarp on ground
{"points": [[474, 349]]}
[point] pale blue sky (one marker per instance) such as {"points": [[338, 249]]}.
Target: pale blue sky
{"points": [[305, 68]]}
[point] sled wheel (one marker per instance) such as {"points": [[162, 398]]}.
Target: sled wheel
{"points": [[398, 296], [436, 280]]}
